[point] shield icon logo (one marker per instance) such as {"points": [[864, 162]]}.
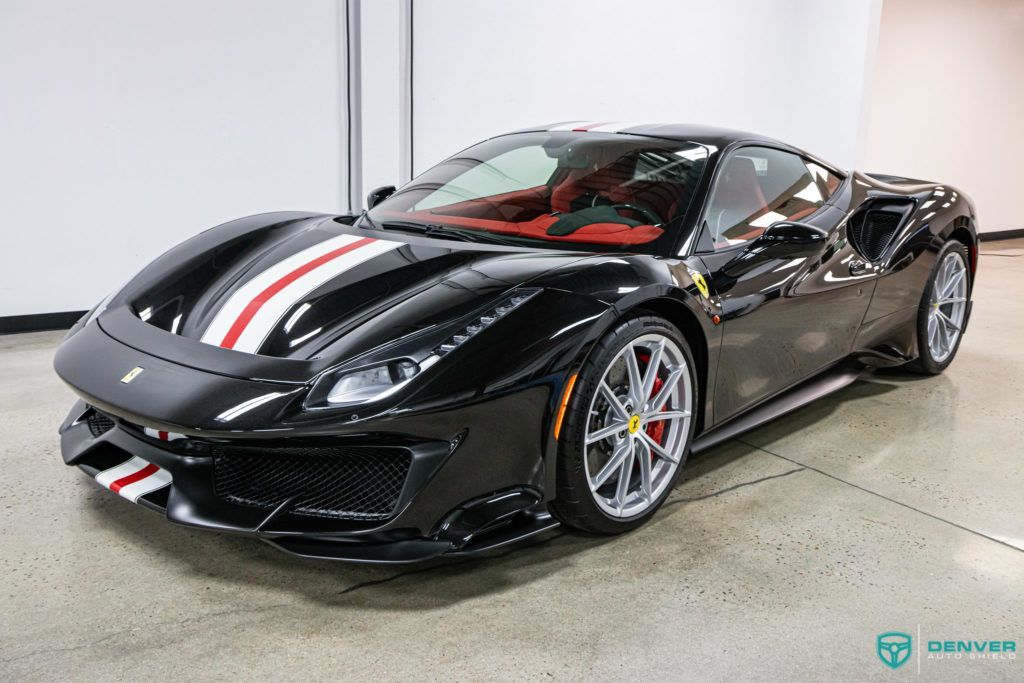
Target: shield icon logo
{"points": [[894, 648]]}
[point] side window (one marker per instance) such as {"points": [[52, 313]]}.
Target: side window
{"points": [[759, 186], [516, 169]]}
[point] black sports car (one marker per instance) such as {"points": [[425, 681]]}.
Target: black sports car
{"points": [[536, 331]]}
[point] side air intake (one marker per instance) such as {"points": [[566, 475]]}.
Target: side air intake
{"points": [[873, 228]]}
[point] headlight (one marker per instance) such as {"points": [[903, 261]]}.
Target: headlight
{"points": [[373, 383], [386, 370]]}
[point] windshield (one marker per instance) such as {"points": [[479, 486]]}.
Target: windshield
{"points": [[557, 189]]}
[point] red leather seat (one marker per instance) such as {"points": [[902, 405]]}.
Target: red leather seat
{"points": [[616, 182]]}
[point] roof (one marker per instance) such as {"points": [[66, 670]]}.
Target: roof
{"points": [[710, 135]]}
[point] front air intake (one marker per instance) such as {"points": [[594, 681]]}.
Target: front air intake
{"points": [[99, 423], [354, 483]]}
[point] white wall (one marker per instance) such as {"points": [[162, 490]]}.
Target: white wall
{"points": [[384, 94], [948, 100], [126, 127], [792, 69]]}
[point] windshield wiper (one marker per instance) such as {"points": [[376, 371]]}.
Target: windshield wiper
{"points": [[365, 217], [435, 230]]}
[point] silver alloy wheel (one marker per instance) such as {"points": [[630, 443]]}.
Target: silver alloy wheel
{"points": [[645, 390], [948, 306]]}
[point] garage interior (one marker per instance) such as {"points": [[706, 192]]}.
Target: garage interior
{"points": [[893, 504]]}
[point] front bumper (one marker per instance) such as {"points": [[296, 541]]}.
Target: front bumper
{"points": [[404, 535], [478, 430]]}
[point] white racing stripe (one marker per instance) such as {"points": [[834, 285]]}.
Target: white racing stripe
{"points": [[278, 305], [252, 311], [163, 436], [134, 478], [157, 480], [568, 125], [108, 477], [617, 126], [600, 126]]}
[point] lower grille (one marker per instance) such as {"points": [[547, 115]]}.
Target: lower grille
{"points": [[339, 483], [99, 423]]}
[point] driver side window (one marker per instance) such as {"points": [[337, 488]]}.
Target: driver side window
{"points": [[759, 186]]}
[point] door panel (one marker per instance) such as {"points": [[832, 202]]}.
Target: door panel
{"points": [[786, 314]]}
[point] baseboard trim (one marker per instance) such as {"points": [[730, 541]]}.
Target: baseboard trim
{"points": [[1000, 235], [39, 322]]}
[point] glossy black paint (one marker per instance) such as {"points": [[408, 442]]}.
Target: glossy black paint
{"points": [[761, 318]]}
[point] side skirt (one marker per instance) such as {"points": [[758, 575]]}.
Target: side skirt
{"points": [[812, 389]]}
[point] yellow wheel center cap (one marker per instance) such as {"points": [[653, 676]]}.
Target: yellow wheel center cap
{"points": [[634, 424]]}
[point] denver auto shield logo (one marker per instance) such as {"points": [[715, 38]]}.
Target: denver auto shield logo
{"points": [[893, 648]]}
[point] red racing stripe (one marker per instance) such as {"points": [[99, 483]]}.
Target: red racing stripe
{"points": [[247, 314], [134, 477], [586, 127]]}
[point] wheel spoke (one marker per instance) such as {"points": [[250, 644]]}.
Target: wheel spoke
{"points": [[635, 381], [643, 456], [667, 415], [610, 467], [943, 302], [653, 364], [657, 448], [946, 271], [666, 389], [625, 474], [613, 401], [605, 432], [933, 330], [951, 284], [944, 341], [947, 320]]}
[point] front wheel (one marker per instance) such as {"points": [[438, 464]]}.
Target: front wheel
{"points": [[942, 315], [628, 427]]}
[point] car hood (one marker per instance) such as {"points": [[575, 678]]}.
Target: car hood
{"points": [[310, 289]]}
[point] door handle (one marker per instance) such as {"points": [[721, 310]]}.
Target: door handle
{"points": [[858, 267]]}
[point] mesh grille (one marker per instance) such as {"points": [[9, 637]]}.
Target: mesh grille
{"points": [[873, 231], [99, 423], [340, 483]]}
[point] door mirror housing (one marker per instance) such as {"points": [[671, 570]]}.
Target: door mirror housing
{"points": [[378, 195], [788, 238], [792, 232]]}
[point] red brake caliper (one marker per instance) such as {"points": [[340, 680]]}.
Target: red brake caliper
{"points": [[655, 430]]}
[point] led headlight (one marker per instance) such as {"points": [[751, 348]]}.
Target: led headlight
{"points": [[373, 383], [387, 369]]}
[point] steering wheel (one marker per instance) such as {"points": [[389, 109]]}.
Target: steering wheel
{"points": [[652, 218]]}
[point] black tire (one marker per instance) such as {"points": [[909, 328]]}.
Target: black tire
{"points": [[574, 504], [925, 364]]}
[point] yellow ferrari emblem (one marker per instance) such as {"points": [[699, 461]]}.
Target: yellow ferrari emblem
{"points": [[132, 374], [634, 424], [702, 284]]}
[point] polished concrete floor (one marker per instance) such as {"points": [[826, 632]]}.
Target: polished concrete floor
{"points": [[896, 504]]}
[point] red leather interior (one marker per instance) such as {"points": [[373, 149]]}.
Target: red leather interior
{"points": [[616, 182], [595, 233], [529, 212]]}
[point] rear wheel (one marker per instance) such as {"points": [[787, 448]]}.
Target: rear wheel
{"points": [[628, 427], [942, 314]]}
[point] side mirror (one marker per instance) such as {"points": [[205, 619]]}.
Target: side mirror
{"points": [[792, 232], [378, 195], [788, 238]]}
